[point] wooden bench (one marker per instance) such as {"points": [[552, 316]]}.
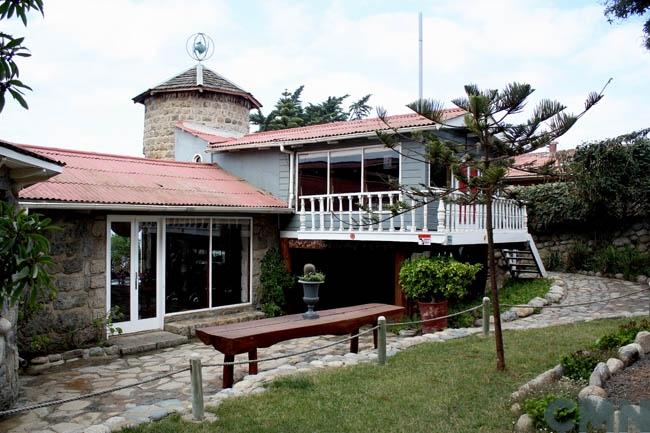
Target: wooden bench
{"points": [[247, 337]]}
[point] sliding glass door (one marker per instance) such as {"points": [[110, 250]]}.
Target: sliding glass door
{"points": [[133, 279]]}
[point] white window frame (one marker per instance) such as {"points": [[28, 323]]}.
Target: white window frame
{"points": [[161, 265], [328, 152]]}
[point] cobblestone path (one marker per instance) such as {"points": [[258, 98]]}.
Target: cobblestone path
{"points": [[156, 399]]}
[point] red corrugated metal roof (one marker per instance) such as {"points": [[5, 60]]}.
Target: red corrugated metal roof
{"points": [[114, 179], [205, 136], [330, 130]]}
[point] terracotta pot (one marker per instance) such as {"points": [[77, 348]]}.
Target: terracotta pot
{"points": [[429, 310]]}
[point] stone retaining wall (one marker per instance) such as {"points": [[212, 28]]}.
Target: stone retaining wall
{"points": [[636, 235]]}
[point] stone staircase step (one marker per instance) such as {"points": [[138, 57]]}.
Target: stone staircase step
{"points": [[146, 341], [187, 327]]}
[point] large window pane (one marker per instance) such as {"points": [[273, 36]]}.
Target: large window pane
{"points": [[345, 171], [230, 261], [147, 269], [121, 269], [381, 170], [186, 269], [312, 174]]}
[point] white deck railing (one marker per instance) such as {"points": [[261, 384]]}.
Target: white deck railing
{"points": [[372, 212]]}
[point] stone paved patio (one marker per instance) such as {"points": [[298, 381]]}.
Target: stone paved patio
{"points": [[156, 399]]}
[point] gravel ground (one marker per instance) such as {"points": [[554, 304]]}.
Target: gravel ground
{"points": [[631, 385]]}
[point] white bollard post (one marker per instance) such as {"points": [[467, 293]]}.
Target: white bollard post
{"points": [[486, 316], [381, 340], [197, 387]]}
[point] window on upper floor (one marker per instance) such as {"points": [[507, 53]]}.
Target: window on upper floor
{"points": [[370, 169]]}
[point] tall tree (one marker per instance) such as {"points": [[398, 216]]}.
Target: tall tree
{"points": [[289, 112], [12, 47], [487, 122], [623, 9]]}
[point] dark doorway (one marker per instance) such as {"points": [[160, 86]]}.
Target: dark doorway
{"points": [[354, 274]]}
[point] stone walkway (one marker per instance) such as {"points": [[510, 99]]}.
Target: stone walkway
{"points": [[156, 399]]}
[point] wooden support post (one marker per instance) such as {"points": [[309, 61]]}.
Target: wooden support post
{"points": [[354, 343], [197, 387], [486, 316], [399, 298], [228, 371], [285, 253], [252, 366], [381, 343]]}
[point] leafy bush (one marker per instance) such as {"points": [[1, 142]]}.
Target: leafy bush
{"points": [[627, 261], [579, 365], [578, 257], [536, 408], [552, 205], [553, 261], [625, 335], [275, 282], [425, 279]]}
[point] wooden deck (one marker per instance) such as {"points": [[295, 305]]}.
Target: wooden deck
{"points": [[247, 337]]}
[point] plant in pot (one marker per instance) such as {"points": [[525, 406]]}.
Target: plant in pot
{"points": [[311, 281], [431, 282]]}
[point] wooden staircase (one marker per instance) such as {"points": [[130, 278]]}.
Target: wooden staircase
{"points": [[524, 262]]}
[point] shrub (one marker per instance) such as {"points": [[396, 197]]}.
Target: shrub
{"points": [[579, 365], [275, 283], [628, 261], [553, 261], [578, 256], [625, 335], [425, 279], [536, 408]]}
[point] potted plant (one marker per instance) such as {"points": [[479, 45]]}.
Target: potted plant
{"points": [[431, 282], [311, 281]]}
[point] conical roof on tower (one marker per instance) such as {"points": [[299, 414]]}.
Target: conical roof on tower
{"points": [[201, 79]]}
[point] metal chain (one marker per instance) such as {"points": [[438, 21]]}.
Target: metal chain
{"points": [[289, 355], [414, 322], [580, 304], [92, 394]]}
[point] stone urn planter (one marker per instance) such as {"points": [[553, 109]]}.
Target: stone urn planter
{"points": [[311, 281], [430, 310]]}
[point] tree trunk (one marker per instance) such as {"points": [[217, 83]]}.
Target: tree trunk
{"points": [[492, 271]]}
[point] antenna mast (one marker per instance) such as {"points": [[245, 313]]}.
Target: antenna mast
{"points": [[420, 56]]}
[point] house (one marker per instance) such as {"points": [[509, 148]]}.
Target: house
{"points": [[182, 231], [528, 169]]}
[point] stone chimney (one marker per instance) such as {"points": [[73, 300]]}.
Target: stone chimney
{"points": [[198, 95]]}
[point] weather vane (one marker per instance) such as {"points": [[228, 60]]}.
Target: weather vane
{"points": [[199, 46]]}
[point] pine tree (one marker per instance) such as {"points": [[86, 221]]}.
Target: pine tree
{"points": [[497, 141]]}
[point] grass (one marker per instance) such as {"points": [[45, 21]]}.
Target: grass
{"points": [[435, 387]]}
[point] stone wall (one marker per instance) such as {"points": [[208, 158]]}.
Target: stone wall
{"points": [[79, 254], [635, 235], [266, 235], [163, 111]]}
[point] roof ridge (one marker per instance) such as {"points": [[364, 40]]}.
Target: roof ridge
{"points": [[90, 154]]}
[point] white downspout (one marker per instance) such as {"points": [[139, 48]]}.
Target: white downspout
{"points": [[292, 156]]}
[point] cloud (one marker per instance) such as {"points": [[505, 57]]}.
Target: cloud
{"points": [[90, 58]]}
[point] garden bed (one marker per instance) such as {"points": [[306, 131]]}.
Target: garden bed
{"points": [[631, 385]]}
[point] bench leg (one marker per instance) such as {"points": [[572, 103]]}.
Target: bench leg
{"points": [[228, 371], [252, 366], [354, 343]]}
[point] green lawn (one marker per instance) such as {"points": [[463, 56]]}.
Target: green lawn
{"points": [[435, 387]]}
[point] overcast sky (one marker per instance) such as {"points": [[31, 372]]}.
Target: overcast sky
{"points": [[91, 57]]}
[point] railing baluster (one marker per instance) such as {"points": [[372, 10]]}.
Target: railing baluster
{"points": [[413, 207], [340, 199], [441, 215], [321, 213], [380, 210], [370, 214], [402, 227], [302, 214], [391, 224], [313, 214], [350, 221], [425, 216], [360, 212]]}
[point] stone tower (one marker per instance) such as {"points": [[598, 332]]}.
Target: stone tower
{"points": [[198, 95]]}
